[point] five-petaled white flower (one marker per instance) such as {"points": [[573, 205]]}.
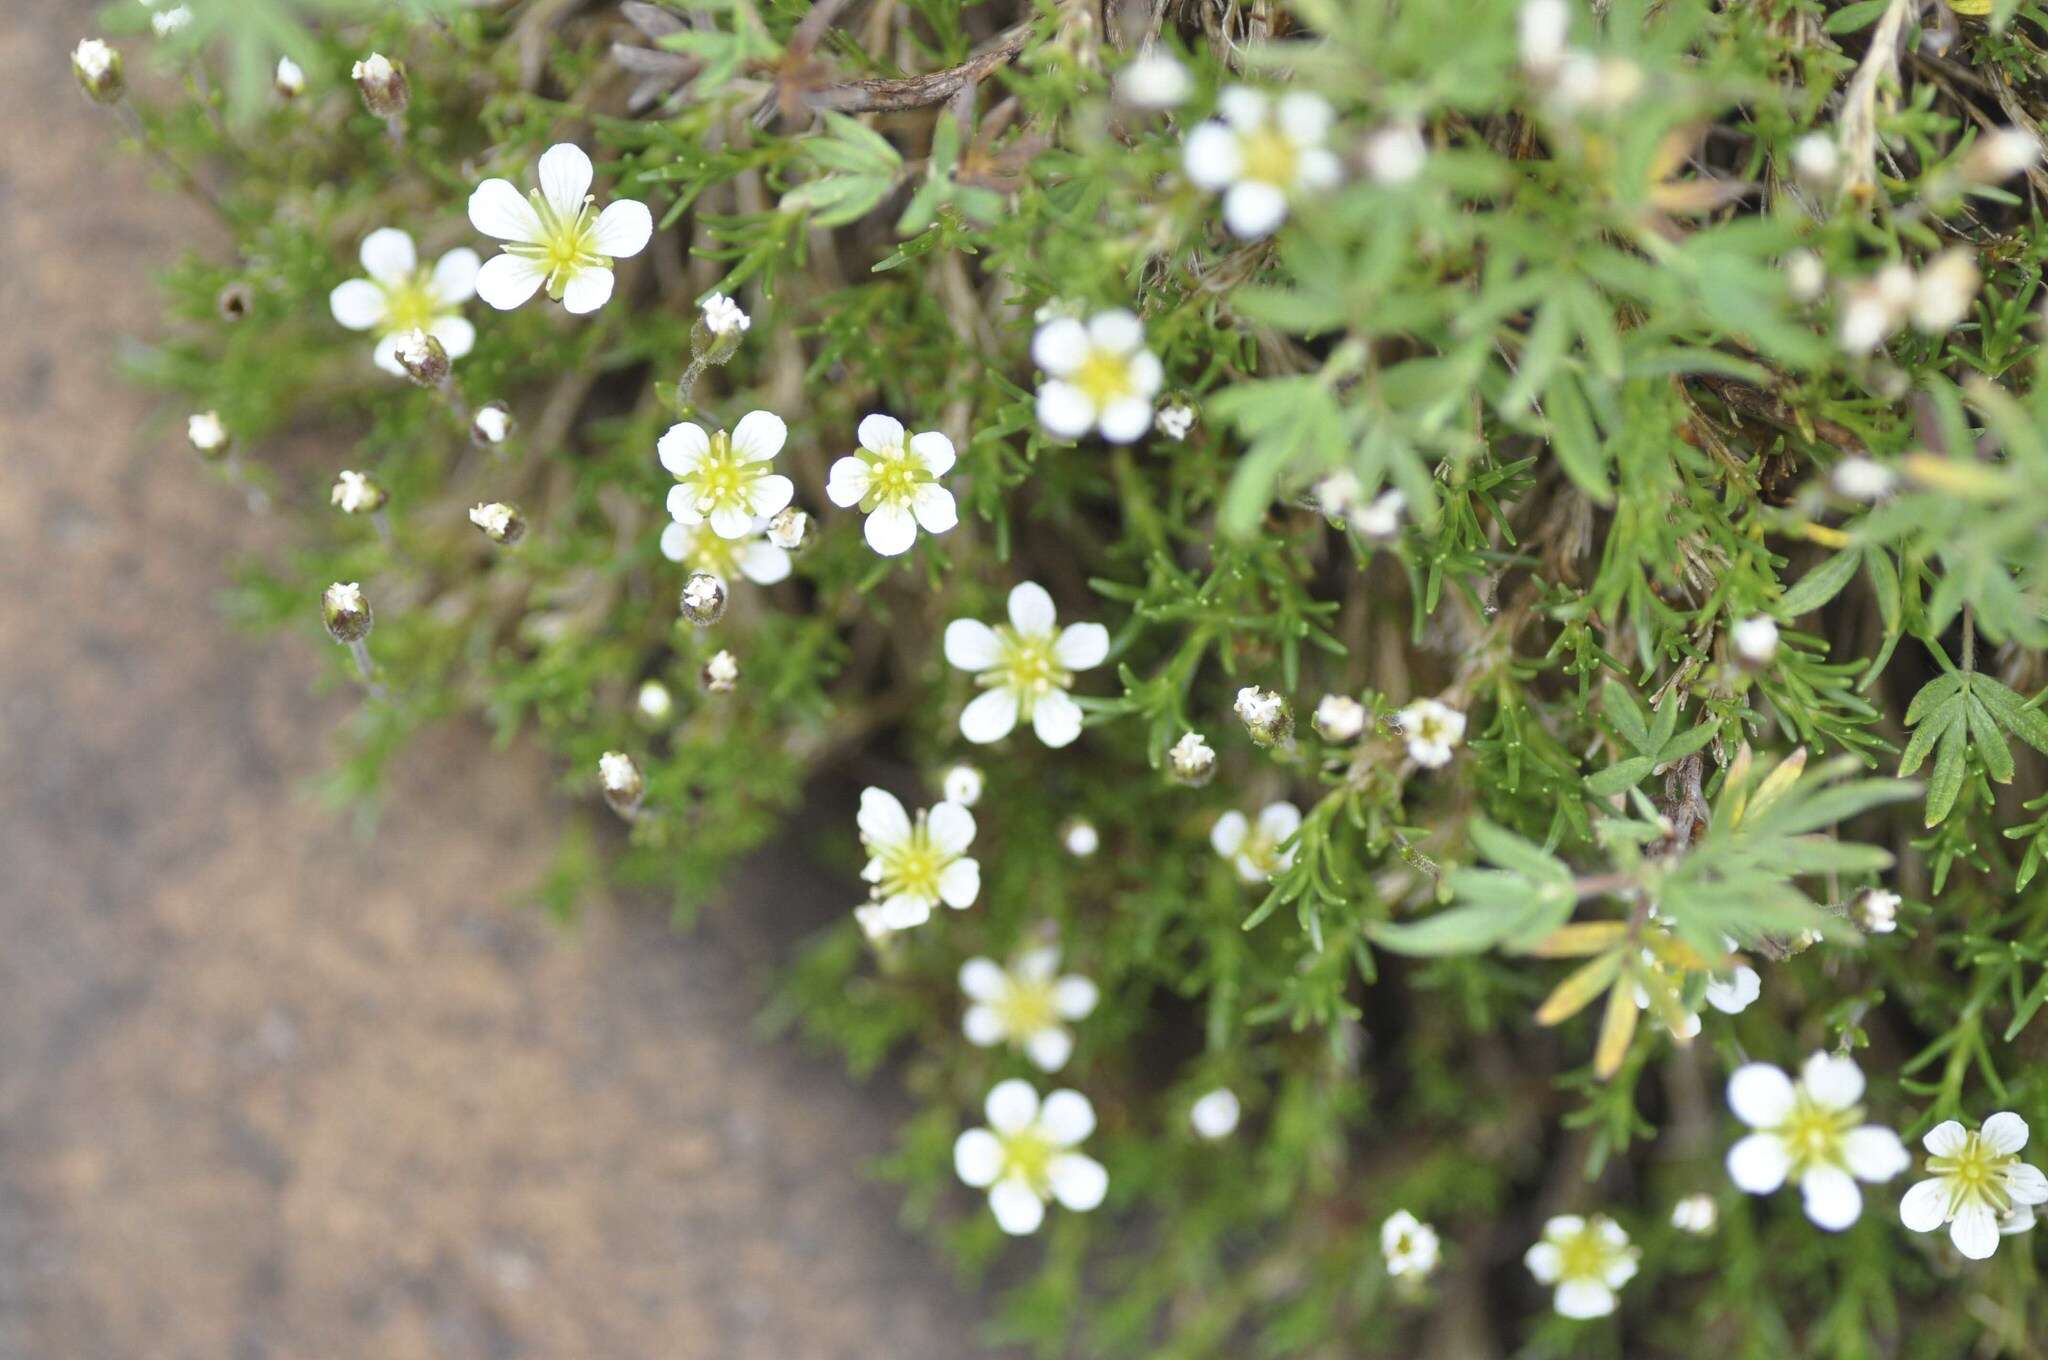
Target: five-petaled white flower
{"points": [[1810, 1131], [1408, 1245], [1587, 1259], [399, 297], [1026, 1155], [1099, 376], [1025, 668], [915, 865], [725, 478], [553, 237], [894, 480], [1260, 154], [1433, 729], [1975, 1183], [1025, 1005], [699, 549], [1256, 849]]}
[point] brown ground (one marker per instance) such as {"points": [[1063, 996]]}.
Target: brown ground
{"points": [[270, 1091]]}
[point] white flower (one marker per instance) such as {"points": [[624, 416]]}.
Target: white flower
{"points": [[169, 21], [1260, 154], [1175, 420], [1731, 993], [1098, 377], [962, 784], [617, 772], [92, 59], [1382, 518], [1433, 728], [1025, 1006], [1587, 1259], [353, 493], [1755, 639], [501, 523], [290, 79], [1215, 1114], [1810, 1131], [1395, 155], [1337, 494], [1409, 1246], [1153, 80], [1863, 479], [1339, 718], [725, 478], [1805, 275], [1864, 322], [696, 547], [1876, 911], [1025, 668], [894, 481], [1695, 1214], [1192, 760], [722, 316], [1976, 1182], [206, 432], [721, 673], [399, 296], [914, 866], [492, 424], [1816, 159], [1543, 26], [655, 702], [1080, 838], [1255, 848], [553, 238], [1584, 82], [1944, 291], [1026, 1155]]}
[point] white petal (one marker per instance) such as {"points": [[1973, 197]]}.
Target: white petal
{"points": [[991, 717], [1036, 965], [891, 529], [1081, 646], [676, 540], [1584, 1299], [357, 304], [1060, 346], [1074, 997], [1056, 719], [1836, 1083], [1251, 871], [1874, 1153], [455, 276], [565, 175], [1975, 1231], [1304, 117], [848, 481], [1925, 1205], [729, 521], [1733, 994], [499, 210], [456, 335], [1243, 107], [683, 448], [763, 563], [935, 451], [622, 230], [508, 280], [1279, 821], [1146, 373], [978, 1157], [1126, 420], [388, 256], [1012, 1105], [1229, 832], [1031, 611], [951, 827], [682, 504], [960, 883], [1050, 1048], [1545, 1261], [759, 436], [1017, 1208], [384, 354], [880, 433], [1761, 1095], [904, 912], [1212, 158], [1064, 409], [1317, 168], [1832, 1200], [1066, 1118], [971, 645], [983, 1026], [984, 980], [1758, 1163], [588, 289], [1946, 1139], [1253, 210], [1078, 1182], [934, 508], [2004, 1132], [1116, 330], [881, 818], [770, 495], [2026, 1184]]}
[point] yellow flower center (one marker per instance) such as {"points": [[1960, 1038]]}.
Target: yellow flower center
{"points": [[893, 477], [1975, 1174], [1026, 667], [1269, 157], [567, 245], [1027, 1007], [1585, 1255], [911, 867], [709, 552], [1430, 728], [722, 478], [1104, 377], [411, 305], [1813, 1134], [1028, 1154]]}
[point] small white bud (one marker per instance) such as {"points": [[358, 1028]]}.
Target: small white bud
{"points": [[501, 523], [873, 922], [98, 68], [1865, 320], [1805, 275], [492, 425], [1215, 1114], [1816, 160], [383, 85], [423, 357], [1381, 520], [1395, 155], [1600, 84], [1863, 479], [1756, 640], [703, 599], [654, 701], [356, 493], [2000, 155], [1695, 1214], [787, 530], [345, 612], [962, 784], [1265, 715], [1154, 80], [1175, 420], [207, 434], [1191, 761], [1337, 494], [624, 786], [1080, 838], [1543, 26], [290, 80], [1339, 718], [1876, 911], [722, 316], [721, 674], [168, 21], [1944, 292]]}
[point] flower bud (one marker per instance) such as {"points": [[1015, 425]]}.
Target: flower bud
{"points": [[1875, 911], [624, 787], [963, 785], [1154, 80], [1339, 718], [1381, 520], [1816, 160], [501, 523], [290, 81], [98, 68], [1944, 291], [1215, 1114], [492, 425], [1756, 640], [1543, 26], [654, 701], [173, 20], [715, 337], [1191, 761], [2000, 155], [1174, 420], [1805, 275], [356, 493], [703, 599], [345, 612], [1396, 154], [208, 435], [234, 301], [721, 674], [1080, 838], [1265, 715], [1695, 1214], [423, 358], [1858, 478], [385, 92], [789, 528]]}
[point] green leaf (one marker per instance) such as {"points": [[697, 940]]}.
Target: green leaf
{"points": [[1947, 779], [1821, 584]]}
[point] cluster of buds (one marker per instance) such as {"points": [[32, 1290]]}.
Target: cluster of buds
{"points": [[383, 85], [721, 674], [98, 68], [1266, 717], [1339, 719], [356, 493], [1934, 300], [208, 436], [492, 425], [501, 523], [624, 786], [1191, 760], [703, 599]]}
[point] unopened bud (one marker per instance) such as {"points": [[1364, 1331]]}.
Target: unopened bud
{"points": [[1174, 420], [1337, 494], [290, 81], [715, 337], [2000, 155], [1080, 838], [1756, 640], [1944, 292], [1543, 26], [207, 435], [1863, 479], [165, 22], [501, 523], [1695, 1214], [1381, 520], [1265, 715], [1191, 761], [703, 599], [346, 612], [1339, 718], [234, 301], [1805, 275], [789, 528], [356, 493], [98, 68], [624, 787], [1875, 911], [1154, 80], [1816, 160], [962, 785], [1395, 155], [721, 673], [423, 357], [655, 702], [382, 81], [492, 425]]}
